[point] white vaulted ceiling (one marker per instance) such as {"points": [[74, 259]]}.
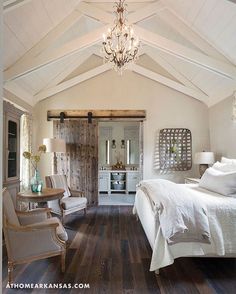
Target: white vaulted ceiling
{"points": [[187, 45]]}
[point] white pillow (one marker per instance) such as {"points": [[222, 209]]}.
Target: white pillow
{"points": [[224, 167], [219, 182], [228, 160]]}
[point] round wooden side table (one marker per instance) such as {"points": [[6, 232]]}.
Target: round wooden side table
{"points": [[47, 194]]}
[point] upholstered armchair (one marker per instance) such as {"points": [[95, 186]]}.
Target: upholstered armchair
{"points": [[31, 235], [72, 200]]}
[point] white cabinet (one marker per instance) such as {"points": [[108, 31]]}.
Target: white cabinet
{"points": [[11, 149], [132, 180], [118, 181], [104, 181]]}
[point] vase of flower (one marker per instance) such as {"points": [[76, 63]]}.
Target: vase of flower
{"points": [[36, 182]]}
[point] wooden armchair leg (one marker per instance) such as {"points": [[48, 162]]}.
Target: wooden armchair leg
{"points": [[62, 217], [85, 211], [10, 271], [63, 261]]}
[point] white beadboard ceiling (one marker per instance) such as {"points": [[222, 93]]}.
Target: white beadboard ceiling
{"points": [[187, 45]]}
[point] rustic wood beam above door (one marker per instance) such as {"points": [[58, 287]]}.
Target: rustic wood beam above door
{"points": [[101, 115]]}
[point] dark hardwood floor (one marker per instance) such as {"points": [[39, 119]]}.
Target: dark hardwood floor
{"points": [[109, 250]]}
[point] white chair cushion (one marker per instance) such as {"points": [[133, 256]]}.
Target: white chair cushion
{"points": [[59, 182], [72, 202], [61, 232]]}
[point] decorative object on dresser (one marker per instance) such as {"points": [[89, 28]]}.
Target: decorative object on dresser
{"points": [[119, 166], [54, 145], [204, 159], [192, 180], [31, 235], [175, 149], [11, 149], [71, 202]]}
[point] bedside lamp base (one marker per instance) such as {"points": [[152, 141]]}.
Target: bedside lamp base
{"points": [[202, 169]]}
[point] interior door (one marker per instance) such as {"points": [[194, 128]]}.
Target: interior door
{"points": [[80, 162]]}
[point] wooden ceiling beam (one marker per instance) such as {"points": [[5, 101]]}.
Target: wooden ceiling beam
{"points": [[189, 34], [72, 82], [185, 53], [105, 17], [96, 13], [9, 5], [46, 58], [169, 83], [14, 70], [145, 12], [98, 114], [156, 56], [16, 90], [69, 69]]}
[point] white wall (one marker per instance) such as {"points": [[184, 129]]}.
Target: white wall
{"points": [[165, 108], [223, 129]]}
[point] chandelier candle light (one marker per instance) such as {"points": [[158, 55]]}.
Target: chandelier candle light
{"points": [[120, 45]]}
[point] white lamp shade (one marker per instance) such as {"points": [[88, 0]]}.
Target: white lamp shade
{"points": [[204, 158], [54, 145]]}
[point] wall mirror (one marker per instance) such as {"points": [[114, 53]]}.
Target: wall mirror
{"points": [[132, 152], [104, 146], [131, 134], [118, 142]]}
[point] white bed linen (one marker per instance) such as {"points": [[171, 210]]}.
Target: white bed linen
{"points": [[182, 217], [222, 219]]}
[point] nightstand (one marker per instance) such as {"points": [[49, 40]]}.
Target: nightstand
{"points": [[191, 180]]}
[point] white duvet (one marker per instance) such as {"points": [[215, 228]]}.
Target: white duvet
{"points": [[182, 217], [221, 215]]}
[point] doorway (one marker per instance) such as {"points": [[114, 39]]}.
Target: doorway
{"points": [[120, 151]]}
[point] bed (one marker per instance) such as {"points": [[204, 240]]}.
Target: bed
{"points": [[218, 229]]}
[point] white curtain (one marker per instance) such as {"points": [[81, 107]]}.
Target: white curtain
{"points": [[25, 145]]}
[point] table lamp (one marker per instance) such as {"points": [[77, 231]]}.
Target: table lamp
{"points": [[204, 159], [54, 145]]}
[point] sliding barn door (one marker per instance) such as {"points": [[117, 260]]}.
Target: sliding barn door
{"points": [[80, 162]]}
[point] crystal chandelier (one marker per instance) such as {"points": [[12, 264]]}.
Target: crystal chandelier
{"points": [[120, 45]]}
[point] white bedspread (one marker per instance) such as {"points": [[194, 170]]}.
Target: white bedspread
{"points": [[221, 212], [182, 217]]}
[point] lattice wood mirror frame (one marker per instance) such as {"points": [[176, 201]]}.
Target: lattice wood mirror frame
{"points": [[175, 149]]}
